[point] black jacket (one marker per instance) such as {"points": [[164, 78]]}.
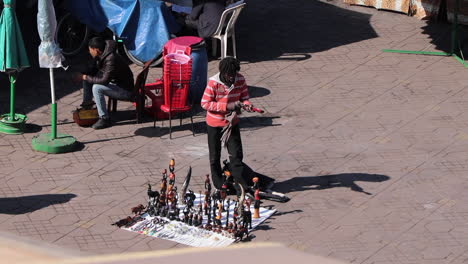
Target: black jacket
{"points": [[111, 68], [207, 13]]}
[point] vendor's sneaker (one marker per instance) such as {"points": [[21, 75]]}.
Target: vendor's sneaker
{"points": [[102, 123]]}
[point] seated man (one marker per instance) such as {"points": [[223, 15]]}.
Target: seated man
{"points": [[109, 76], [205, 16]]}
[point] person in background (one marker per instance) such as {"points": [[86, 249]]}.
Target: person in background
{"points": [[225, 94], [205, 16], [108, 75]]}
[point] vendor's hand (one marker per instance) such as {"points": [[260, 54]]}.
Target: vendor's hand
{"points": [[234, 106], [78, 77], [247, 107]]}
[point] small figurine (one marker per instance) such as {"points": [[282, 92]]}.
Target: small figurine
{"points": [[208, 221], [190, 199], [186, 215], [247, 215], [200, 204], [235, 213], [219, 216], [171, 165], [257, 198], [207, 202], [240, 233], [207, 183], [195, 220], [227, 212], [138, 209], [172, 197], [224, 187], [213, 214], [171, 180], [153, 197], [177, 214], [200, 220], [190, 220], [164, 182]]}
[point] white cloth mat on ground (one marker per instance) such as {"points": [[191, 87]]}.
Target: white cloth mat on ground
{"points": [[191, 235]]}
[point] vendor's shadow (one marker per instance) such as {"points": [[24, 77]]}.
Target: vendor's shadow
{"points": [[255, 91], [28, 204], [347, 180], [256, 122]]}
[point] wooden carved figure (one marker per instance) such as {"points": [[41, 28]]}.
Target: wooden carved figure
{"points": [[171, 165], [164, 182], [257, 198]]}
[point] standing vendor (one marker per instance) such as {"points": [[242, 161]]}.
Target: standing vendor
{"points": [[223, 98]]}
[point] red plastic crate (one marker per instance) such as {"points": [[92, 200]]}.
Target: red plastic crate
{"points": [[176, 82]]}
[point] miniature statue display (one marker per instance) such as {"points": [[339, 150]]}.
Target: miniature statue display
{"points": [[209, 213]]}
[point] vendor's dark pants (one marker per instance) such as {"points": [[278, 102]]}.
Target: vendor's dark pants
{"points": [[234, 147]]}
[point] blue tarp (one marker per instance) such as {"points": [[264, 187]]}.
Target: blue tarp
{"points": [[144, 25]]}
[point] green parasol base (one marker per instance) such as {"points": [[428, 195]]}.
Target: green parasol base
{"points": [[12, 127], [61, 144]]}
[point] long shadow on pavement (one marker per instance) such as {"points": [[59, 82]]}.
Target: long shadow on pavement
{"points": [[28, 204], [291, 30], [347, 180]]}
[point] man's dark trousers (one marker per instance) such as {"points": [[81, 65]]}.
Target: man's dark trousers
{"points": [[234, 147]]}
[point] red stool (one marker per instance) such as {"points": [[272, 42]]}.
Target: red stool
{"points": [[155, 92]]}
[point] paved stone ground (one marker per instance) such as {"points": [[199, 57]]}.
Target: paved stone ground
{"points": [[370, 146]]}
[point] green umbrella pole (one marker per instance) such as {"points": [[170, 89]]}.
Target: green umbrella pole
{"points": [[53, 135], [418, 52], [12, 97]]}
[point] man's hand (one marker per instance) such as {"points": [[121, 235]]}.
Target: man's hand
{"points": [[78, 77], [234, 106]]}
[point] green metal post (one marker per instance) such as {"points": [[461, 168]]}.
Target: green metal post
{"points": [[12, 97], [454, 28], [54, 121]]}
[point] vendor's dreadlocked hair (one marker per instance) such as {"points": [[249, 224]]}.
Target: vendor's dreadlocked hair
{"points": [[229, 65]]}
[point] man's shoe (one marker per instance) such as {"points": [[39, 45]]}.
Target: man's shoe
{"points": [[102, 123], [87, 105]]}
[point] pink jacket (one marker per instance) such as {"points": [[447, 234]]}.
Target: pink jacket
{"points": [[217, 96]]}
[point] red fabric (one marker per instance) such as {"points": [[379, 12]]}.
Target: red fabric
{"points": [[181, 43]]}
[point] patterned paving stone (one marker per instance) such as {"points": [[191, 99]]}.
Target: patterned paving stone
{"points": [[370, 146]]}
